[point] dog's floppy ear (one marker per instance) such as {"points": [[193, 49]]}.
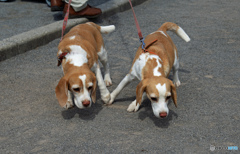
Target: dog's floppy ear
{"points": [[141, 87], [173, 93], [93, 94], [62, 91]]}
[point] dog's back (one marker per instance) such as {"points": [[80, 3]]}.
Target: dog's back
{"points": [[87, 35], [164, 46]]}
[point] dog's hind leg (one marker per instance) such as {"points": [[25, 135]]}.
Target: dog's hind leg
{"points": [[104, 60], [176, 80]]}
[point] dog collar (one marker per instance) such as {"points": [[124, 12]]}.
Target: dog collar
{"points": [[61, 57], [145, 49]]}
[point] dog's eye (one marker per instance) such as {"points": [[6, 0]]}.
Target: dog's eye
{"points": [[76, 89], [90, 88], [154, 99], [168, 97]]}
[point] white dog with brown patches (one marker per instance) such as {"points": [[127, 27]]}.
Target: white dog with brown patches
{"points": [[152, 68], [78, 53]]}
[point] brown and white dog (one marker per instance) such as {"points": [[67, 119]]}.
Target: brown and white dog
{"points": [[152, 69], [79, 52]]}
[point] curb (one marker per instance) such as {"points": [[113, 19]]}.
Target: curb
{"points": [[32, 39]]}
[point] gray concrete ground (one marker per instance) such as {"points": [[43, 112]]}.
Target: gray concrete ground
{"points": [[23, 15], [208, 99], [29, 24]]}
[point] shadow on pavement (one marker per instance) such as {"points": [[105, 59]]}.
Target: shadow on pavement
{"points": [[85, 114]]}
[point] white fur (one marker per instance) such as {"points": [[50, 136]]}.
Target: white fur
{"points": [[78, 56], [161, 89], [159, 31], [138, 66], [161, 105], [133, 106], [162, 33], [72, 37], [90, 84], [60, 52], [107, 29], [181, 33], [176, 80]]}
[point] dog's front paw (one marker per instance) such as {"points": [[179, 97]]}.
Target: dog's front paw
{"points": [[68, 105], [133, 107], [106, 98], [177, 83], [107, 80], [111, 100]]}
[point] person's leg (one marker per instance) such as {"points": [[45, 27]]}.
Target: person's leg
{"points": [[80, 8], [78, 5], [57, 5]]}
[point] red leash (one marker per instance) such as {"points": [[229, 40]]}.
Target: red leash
{"points": [[140, 33], [136, 22], [65, 19]]}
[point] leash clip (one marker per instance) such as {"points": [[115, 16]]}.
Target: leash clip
{"points": [[143, 44]]}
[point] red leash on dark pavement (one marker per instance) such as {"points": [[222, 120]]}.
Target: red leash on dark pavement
{"points": [[136, 22], [65, 19], [140, 33], [138, 27], [61, 56]]}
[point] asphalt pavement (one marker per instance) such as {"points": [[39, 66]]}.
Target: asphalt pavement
{"points": [[28, 24], [207, 119]]}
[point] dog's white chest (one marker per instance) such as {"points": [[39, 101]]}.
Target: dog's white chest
{"points": [[138, 66]]}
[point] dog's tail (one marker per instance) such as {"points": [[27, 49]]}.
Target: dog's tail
{"points": [[107, 29], [175, 28], [104, 29]]}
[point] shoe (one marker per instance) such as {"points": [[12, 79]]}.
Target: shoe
{"points": [[57, 5], [87, 12]]}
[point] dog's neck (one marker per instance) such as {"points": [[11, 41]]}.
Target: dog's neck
{"points": [[70, 68]]}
